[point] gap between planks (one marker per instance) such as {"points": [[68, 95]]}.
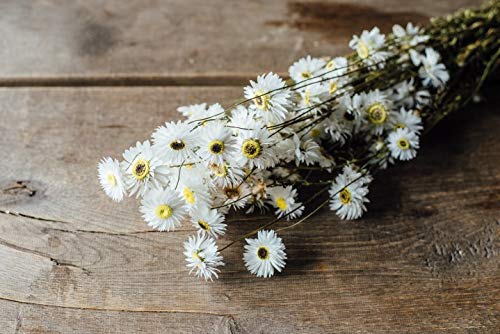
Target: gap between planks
{"points": [[201, 80]]}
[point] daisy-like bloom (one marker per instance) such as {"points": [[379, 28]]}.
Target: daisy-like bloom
{"points": [[208, 221], [378, 111], [368, 47], [202, 256], [348, 194], [306, 151], [234, 196], [111, 178], [408, 119], [243, 118], [193, 111], [175, 142], [306, 68], [265, 254], [432, 72], [311, 96], [256, 149], [194, 193], [163, 209], [403, 144], [217, 143], [270, 107], [143, 170], [335, 67], [283, 199], [224, 175], [409, 36]]}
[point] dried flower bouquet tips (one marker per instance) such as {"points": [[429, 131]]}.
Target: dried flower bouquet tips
{"points": [[331, 126]]}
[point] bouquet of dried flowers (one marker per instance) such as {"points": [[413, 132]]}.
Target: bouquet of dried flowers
{"points": [[332, 125]]}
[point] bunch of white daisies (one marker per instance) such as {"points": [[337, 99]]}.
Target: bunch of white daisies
{"points": [[332, 123]]}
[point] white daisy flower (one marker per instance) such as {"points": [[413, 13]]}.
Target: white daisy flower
{"points": [[283, 199], [243, 118], [306, 68], [194, 193], [265, 254], [432, 72], [335, 67], [163, 209], [193, 111], [224, 174], [175, 143], [408, 119], [208, 221], [368, 47], [403, 144], [311, 96], [202, 256], [257, 149], [217, 143], [348, 194], [409, 36], [306, 151], [272, 107], [143, 170], [377, 109], [234, 196], [111, 178]]}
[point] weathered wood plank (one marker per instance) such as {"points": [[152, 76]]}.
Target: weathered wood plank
{"points": [[190, 42], [424, 257]]}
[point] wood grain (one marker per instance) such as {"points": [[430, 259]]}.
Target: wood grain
{"points": [[424, 259], [196, 42]]}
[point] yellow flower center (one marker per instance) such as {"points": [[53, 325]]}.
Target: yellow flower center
{"points": [[163, 211], [203, 225], [177, 145], [140, 169], [219, 170], [196, 255], [263, 253], [251, 148], [281, 203], [362, 50], [315, 133], [111, 179], [330, 65], [399, 126], [345, 196], [216, 147], [306, 74], [307, 97], [189, 166], [188, 195], [377, 113], [403, 144], [261, 101], [333, 88]]}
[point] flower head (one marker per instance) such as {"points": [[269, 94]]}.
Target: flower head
{"points": [[202, 256], [175, 143], [284, 200], [208, 221], [403, 144], [163, 209], [265, 254], [111, 178]]}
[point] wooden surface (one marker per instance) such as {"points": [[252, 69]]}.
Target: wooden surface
{"points": [[425, 259]]}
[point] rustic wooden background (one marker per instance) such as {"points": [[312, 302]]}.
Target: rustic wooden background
{"points": [[84, 79]]}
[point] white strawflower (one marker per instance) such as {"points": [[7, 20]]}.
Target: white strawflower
{"points": [[202, 256], [377, 109], [265, 254], [408, 119], [194, 192], [368, 47], [311, 96], [306, 68], [306, 151], [348, 194], [409, 36], [175, 143], [403, 144], [224, 174], [163, 209], [242, 118], [193, 111], [284, 200], [208, 221], [335, 67], [143, 170], [256, 149], [217, 143], [234, 196], [271, 107], [111, 178], [432, 72]]}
